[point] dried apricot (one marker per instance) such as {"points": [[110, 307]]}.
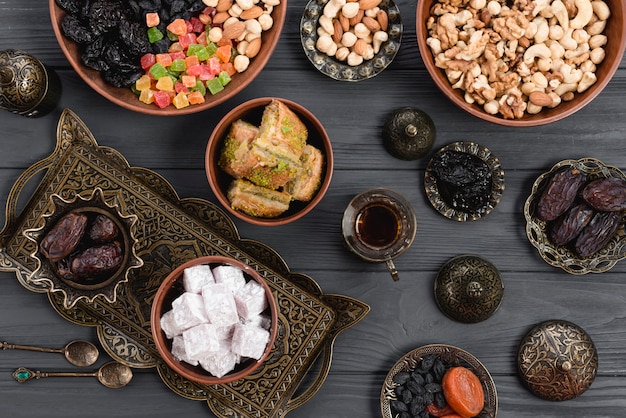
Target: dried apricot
{"points": [[463, 391]]}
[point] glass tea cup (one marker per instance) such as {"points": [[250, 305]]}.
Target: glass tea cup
{"points": [[378, 225]]}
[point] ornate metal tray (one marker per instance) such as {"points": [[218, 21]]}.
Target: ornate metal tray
{"points": [[170, 231]]}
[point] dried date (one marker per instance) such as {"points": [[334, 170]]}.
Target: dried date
{"points": [[96, 261], [567, 227], [607, 194], [560, 193], [64, 236], [103, 229], [597, 233]]}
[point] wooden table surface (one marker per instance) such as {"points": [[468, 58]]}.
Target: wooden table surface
{"points": [[403, 314]]}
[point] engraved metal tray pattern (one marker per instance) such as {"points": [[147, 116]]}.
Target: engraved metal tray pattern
{"points": [[169, 232]]}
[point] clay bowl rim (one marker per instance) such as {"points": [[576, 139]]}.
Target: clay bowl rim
{"points": [[615, 31], [218, 180], [196, 374], [125, 98]]}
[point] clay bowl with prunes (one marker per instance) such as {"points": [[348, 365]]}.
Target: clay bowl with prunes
{"points": [[85, 248], [167, 58], [531, 75], [575, 216], [269, 161], [438, 380], [464, 181]]}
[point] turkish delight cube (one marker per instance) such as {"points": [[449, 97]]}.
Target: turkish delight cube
{"points": [[200, 341], [262, 320], [250, 299], [231, 275], [189, 310], [250, 340], [220, 363], [219, 304], [179, 352], [196, 277], [169, 325]]}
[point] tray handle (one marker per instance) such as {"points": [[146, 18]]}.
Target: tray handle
{"points": [[326, 355]]}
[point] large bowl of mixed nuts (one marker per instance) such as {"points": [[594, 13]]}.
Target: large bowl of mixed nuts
{"points": [[180, 58], [521, 64]]}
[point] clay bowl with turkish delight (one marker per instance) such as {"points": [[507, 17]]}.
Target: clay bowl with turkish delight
{"points": [[269, 161], [214, 320], [521, 63], [129, 51]]}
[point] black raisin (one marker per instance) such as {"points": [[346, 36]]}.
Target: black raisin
{"points": [[427, 363], [433, 387], [440, 400], [398, 406], [401, 378], [418, 378], [459, 168], [407, 396], [428, 398], [439, 369], [415, 388]]}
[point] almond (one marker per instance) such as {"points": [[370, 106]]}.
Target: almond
{"points": [[252, 13], [345, 22], [223, 5], [383, 19], [234, 30], [371, 23], [253, 48], [338, 31], [368, 4], [220, 18], [540, 98], [360, 47], [357, 19]]}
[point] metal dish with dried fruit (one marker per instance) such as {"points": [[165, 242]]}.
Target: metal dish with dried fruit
{"points": [[464, 181], [541, 224]]}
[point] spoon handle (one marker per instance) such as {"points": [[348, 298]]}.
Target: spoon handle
{"points": [[23, 374], [7, 346]]}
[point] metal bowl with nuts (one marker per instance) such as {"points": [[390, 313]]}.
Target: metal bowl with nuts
{"points": [[521, 64], [351, 41]]}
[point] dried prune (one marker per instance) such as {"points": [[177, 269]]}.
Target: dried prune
{"points": [[568, 226], [459, 168], [472, 198], [560, 193], [597, 233], [607, 194], [103, 229], [64, 236], [76, 31], [70, 6], [96, 261]]}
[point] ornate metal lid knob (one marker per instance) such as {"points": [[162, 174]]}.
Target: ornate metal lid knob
{"points": [[468, 288], [27, 87], [557, 360]]}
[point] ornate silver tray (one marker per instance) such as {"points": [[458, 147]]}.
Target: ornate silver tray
{"points": [[169, 232]]}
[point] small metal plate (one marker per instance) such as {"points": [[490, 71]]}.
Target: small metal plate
{"points": [[557, 360]]}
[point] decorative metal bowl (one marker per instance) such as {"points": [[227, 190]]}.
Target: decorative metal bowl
{"points": [[340, 70], [563, 256], [497, 182], [451, 356], [172, 287], [47, 274]]}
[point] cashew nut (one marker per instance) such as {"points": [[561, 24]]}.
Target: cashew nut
{"points": [[333, 7], [583, 17], [586, 81], [378, 39], [597, 55], [560, 12], [536, 51], [601, 9]]}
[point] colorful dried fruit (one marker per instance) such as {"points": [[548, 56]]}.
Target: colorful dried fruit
{"points": [[571, 224], [560, 193], [463, 391], [607, 194], [597, 233], [64, 236]]}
